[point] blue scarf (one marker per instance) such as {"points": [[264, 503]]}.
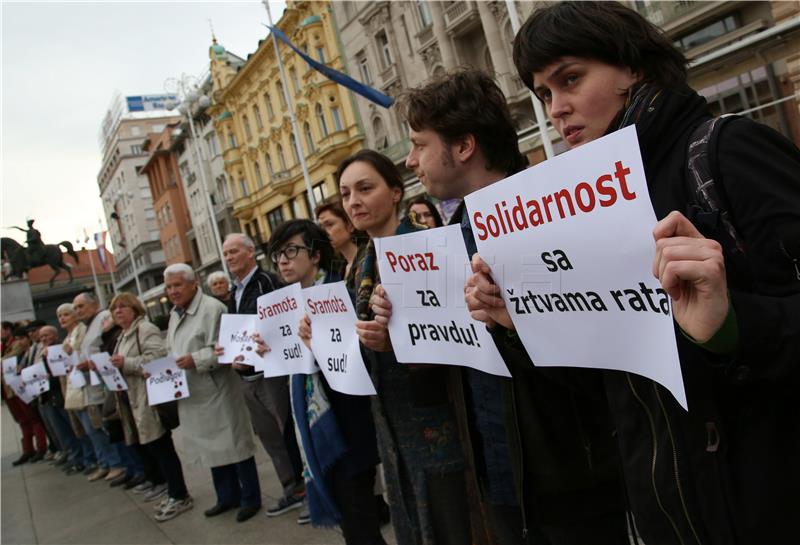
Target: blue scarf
{"points": [[322, 445]]}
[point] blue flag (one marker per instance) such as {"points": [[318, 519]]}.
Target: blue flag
{"points": [[342, 79]]}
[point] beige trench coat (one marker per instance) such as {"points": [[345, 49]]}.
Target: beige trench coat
{"points": [[73, 398], [215, 422], [152, 347]]}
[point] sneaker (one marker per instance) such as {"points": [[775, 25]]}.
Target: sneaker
{"points": [[305, 516], [285, 504], [160, 505], [156, 493], [172, 508], [142, 488]]}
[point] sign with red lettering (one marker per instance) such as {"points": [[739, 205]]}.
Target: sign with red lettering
{"points": [[279, 313], [111, 376], [167, 381], [423, 274], [334, 341], [236, 339], [36, 379], [570, 244]]}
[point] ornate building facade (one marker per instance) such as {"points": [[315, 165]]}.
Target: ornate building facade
{"points": [[251, 117]]}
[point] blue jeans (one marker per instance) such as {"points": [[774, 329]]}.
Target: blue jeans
{"points": [[237, 484], [130, 459], [107, 455], [59, 422]]}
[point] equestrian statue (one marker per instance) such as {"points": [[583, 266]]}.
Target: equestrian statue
{"points": [[35, 254]]}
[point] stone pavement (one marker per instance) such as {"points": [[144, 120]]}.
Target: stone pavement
{"points": [[40, 504]]}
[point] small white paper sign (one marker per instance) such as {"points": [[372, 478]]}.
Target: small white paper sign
{"points": [[279, 313], [236, 338], [111, 376], [334, 341], [424, 275], [94, 378], [58, 360], [76, 378], [36, 379], [10, 365], [167, 381], [569, 243], [16, 383]]}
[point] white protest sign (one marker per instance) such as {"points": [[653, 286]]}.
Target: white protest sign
{"points": [[236, 338], [570, 245], [110, 374], [334, 341], [424, 274], [94, 378], [76, 378], [10, 365], [167, 381], [279, 313], [16, 383], [36, 379], [58, 360]]}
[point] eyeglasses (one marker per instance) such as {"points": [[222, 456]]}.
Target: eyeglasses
{"points": [[290, 252]]}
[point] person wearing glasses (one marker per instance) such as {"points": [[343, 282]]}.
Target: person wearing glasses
{"points": [[266, 398]]}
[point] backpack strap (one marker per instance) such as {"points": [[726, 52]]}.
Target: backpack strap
{"points": [[710, 204]]}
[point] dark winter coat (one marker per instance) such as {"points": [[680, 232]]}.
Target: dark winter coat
{"points": [[728, 471]]}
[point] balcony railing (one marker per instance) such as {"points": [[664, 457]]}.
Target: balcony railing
{"points": [[425, 35], [458, 12], [662, 13]]}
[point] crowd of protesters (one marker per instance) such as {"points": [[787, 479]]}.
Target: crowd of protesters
{"points": [[547, 456]]}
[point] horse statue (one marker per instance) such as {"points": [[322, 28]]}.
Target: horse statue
{"points": [[21, 259]]}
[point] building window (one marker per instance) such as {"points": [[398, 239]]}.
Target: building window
{"points": [[319, 192], [270, 168], [257, 116], [363, 67], [378, 129], [268, 102], [279, 90], [281, 158], [136, 149], [243, 187], [297, 206], [424, 13], [275, 218], [309, 138], [295, 82], [231, 140], [321, 54], [383, 47], [247, 132], [707, 33], [259, 179], [213, 145], [337, 119], [323, 126], [293, 143], [136, 131]]}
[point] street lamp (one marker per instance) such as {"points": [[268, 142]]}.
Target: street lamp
{"points": [[186, 86]]}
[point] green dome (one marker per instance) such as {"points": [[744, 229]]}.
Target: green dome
{"points": [[310, 20], [218, 50]]}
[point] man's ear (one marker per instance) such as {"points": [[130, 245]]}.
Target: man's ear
{"points": [[464, 147]]}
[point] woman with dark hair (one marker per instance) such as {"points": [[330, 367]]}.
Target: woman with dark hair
{"points": [[345, 238], [726, 471], [417, 430], [422, 210]]}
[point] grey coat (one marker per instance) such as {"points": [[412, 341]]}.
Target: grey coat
{"points": [[215, 422], [149, 347]]}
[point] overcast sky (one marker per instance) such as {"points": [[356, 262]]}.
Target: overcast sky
{"points": [[62, 63]]}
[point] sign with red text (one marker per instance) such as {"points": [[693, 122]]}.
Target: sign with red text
{"points": [[58, 360], [110, 374], [236, 339], [167, 381], [279, 313], [10, 365], [334, 341], [36, 379], [570, 244], [423, 274]]}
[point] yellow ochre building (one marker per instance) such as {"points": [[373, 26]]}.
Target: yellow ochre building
{"points": [[254, 127]]}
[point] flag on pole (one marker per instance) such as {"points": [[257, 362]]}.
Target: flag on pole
{"points": [[342, 79], [100, 244]]}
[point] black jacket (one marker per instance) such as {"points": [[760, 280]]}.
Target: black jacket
{"points": [[260, 283], [728, 471]]}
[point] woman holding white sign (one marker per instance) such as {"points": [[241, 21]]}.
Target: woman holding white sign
{"points": [[140, 343], [418, 434], [727, 249]]}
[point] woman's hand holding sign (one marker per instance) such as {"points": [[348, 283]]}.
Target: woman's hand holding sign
{"points": [[691, 269], [482, 296]]}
